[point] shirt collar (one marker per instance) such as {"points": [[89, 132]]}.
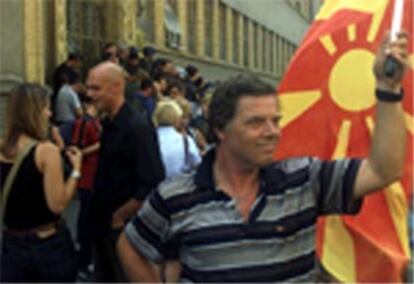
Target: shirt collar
{"points": [[119, 118], [204, 177]]}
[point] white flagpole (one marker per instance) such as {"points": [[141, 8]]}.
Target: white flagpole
{"points": [[397, 17], [390, 64]]}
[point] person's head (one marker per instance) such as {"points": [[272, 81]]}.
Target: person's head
{"points": [[149, 52], [133, 58], [167, 113], [28, 113], [74, 60], [205, 103], [110, 53], [175, 89], [192, 71], [88, 107], [123, 52], [105, 86], [244, 117], [186, 109], [160, 82], [147, 87]]}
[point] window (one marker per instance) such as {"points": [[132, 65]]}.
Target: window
{"points": [[255, 45], [208, 23], [272, 52], [236, 37], [245, 41], [86, 30], [265, 47], [191, 32], [172, 27], [222, 31], [279, 41], [145, 16]]}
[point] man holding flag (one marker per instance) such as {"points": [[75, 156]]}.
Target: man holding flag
{"points": [[243, 217]]}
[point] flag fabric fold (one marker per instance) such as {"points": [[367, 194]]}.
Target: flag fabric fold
{"points": [[328, 107]]}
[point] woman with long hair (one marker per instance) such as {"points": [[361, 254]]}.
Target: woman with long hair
{"points": [[36, 244]]}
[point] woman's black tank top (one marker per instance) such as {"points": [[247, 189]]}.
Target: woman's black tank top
{"points": [[26, 205]]}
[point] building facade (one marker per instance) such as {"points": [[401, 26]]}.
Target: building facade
{"points": [[221, 37]]}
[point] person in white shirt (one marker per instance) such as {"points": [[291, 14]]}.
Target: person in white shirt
{"points": [[179, 152]]}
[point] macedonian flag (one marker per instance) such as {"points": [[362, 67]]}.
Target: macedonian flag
{"points": [[328, 104]]}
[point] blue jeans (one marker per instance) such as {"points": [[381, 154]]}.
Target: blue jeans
{"points": [[27, 258]]}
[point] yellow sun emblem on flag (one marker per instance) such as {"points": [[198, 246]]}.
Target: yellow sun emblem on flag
{"points": [[328, 103]]}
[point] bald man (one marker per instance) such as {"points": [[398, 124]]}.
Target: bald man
{"points": [[129, 166]]}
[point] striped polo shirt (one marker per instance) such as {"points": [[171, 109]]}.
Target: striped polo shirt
{"points": [[191, 219]]}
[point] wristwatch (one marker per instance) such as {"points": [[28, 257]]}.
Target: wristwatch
{"points": [[75, 174]]}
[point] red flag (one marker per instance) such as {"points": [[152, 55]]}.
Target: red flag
{"points": [[328, 104]]}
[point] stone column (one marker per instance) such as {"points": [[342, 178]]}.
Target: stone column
{"points": [[200, 28], [60, 31], [33, 41], [126, 12], [215, 30]]}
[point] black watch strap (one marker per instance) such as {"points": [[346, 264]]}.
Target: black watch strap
{"points": [[389, 97]]}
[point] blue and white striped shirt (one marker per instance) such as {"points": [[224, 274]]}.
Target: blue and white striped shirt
{"points": [[189, 218]]}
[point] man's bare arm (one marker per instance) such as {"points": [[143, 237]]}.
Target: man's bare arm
{"points": [[136, 267], [386, 158]]}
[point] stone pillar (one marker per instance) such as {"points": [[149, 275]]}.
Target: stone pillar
{"points": [[215, 30], [183, 21], [126, 13], [200, 28], [33, 39], [259, 51], [229, 34], [159, 27], [60, 31], [242, 34]]}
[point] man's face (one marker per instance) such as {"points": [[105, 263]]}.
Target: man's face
{"points": [[99, 89], [163, 85], [252, 134]]}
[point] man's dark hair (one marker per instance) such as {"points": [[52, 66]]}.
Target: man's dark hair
{"points": [[146, 83], [191, 70], [225, 98], [74, 56], [174, 84], [158, 76], [149, 51]]}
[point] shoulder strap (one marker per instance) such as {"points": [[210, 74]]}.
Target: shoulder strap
{"points": [[186, 150], [11, 176]]}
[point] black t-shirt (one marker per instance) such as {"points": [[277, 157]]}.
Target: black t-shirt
{"points": [[129, 163]]}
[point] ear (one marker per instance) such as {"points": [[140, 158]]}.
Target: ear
{"points": [[220, 134]]}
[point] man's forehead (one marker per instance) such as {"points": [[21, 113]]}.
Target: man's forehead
{"points": [[254, 101]]}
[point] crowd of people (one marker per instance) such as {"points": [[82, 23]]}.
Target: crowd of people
{"points": [[175, 182]]}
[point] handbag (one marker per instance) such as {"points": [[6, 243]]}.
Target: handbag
{"points": [[10, 179]]}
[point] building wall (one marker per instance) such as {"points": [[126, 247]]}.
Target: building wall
{"points": [[238, 36], [278, 16], [233, 36], [11, 43]]}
